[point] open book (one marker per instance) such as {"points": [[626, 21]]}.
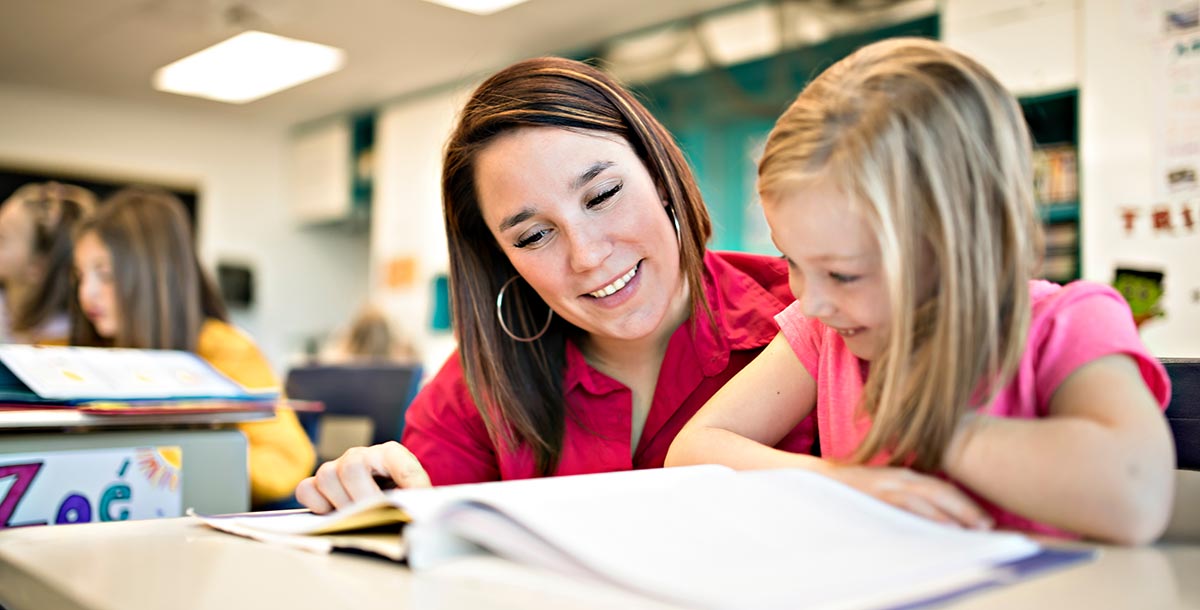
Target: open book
{"points": [[73, 375], [704, 535]]}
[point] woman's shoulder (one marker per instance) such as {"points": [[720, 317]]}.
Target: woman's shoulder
{"points": [[764, 270], [447, 390], [751, 273]]}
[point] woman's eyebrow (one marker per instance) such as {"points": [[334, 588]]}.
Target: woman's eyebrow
{"points": [[514, 220], [526, 213], [591, 173]]}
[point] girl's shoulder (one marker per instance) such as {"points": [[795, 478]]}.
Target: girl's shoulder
{"points": [[218, 335], [1052, 302], [231, 351], [1078, 323]]}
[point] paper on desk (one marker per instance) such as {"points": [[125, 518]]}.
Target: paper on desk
{"points": [[303, 530]]}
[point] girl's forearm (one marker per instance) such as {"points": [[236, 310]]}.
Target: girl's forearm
{"points": [[1070, 472], [707, 445]]}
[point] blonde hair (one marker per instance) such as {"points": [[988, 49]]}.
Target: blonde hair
{"points": [[934, 153]]}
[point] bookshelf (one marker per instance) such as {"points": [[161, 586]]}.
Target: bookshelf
{"points": [[1053, 120]]}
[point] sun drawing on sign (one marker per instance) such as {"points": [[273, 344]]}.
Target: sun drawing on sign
{"points": [[161, 466]]}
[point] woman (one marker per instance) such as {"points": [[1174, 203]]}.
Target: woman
{"points": [[140, 285], [591, 321], [35, 260]]}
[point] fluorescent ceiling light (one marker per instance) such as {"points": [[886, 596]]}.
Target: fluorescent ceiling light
{"points": [[653, 55], [479, 7], [248, 66], [741, 35]]}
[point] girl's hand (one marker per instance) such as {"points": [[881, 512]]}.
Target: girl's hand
{"points": [[916, 493], [352, 477]]}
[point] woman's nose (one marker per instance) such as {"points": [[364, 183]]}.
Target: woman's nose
{"points": [[589, 247]]}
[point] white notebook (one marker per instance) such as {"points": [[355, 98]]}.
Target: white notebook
{"points": [[702, 536]]}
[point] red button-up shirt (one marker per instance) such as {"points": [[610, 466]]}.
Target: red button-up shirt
{"points": [[446, 432]]}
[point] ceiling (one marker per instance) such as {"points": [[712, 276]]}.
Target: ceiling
{"points": [[111, 48]]}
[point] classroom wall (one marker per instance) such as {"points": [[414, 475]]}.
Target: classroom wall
{"points": [[1123, 138], [1118, 54], [307, 281], [408, 237]]}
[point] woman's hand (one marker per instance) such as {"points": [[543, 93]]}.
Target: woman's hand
{"points": [[351, 477], [916, 493]]}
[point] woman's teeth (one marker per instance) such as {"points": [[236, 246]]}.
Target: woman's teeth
{"points": [[615, 286]]}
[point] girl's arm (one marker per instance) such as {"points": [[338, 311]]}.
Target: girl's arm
{"points": [[1100, 464], [739, 425], [765, 401]]}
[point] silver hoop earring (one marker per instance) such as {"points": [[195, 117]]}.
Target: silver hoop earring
{"points": [[675, 221], [500, 316]]}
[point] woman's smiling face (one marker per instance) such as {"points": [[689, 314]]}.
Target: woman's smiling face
{"points": [[582, 221]]}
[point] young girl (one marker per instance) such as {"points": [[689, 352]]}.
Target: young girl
{"points": [[35, 260], [898, 188], [140, 285]]}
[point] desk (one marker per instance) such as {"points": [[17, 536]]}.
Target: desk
{"points": [[180, 563], [215, 473]]}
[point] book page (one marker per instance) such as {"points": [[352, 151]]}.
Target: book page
{"points": [[717, 538], [376, 532], [302, 522]]}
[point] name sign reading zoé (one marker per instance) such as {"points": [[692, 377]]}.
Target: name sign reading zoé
{"points": [[90, 485]]}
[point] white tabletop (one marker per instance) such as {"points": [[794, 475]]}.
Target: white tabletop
{"points": [[180, 563]]}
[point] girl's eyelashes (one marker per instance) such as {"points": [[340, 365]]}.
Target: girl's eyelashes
{"points": [[843, 278], [604, 196]]}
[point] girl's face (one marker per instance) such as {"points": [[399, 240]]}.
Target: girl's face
{"points": [[834, 264], [97, 288], [582, 221], [17, 261]]}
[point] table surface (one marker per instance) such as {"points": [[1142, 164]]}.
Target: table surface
{"points": [[180, 563]]}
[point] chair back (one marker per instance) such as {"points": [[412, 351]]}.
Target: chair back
{"points": [[375, 394], [1183, 412]]}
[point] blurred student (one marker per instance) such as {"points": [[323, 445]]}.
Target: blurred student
{"points": [[140, 285], [898, 188], [371, 338], [36, 223]]}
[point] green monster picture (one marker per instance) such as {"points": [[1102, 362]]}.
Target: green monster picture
{"points": [[1143, 289]]}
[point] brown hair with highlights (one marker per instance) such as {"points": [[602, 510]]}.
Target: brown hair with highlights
{"points": [[518, 386]]}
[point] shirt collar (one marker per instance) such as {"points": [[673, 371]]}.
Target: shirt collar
{"points": [[743, 310]]}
